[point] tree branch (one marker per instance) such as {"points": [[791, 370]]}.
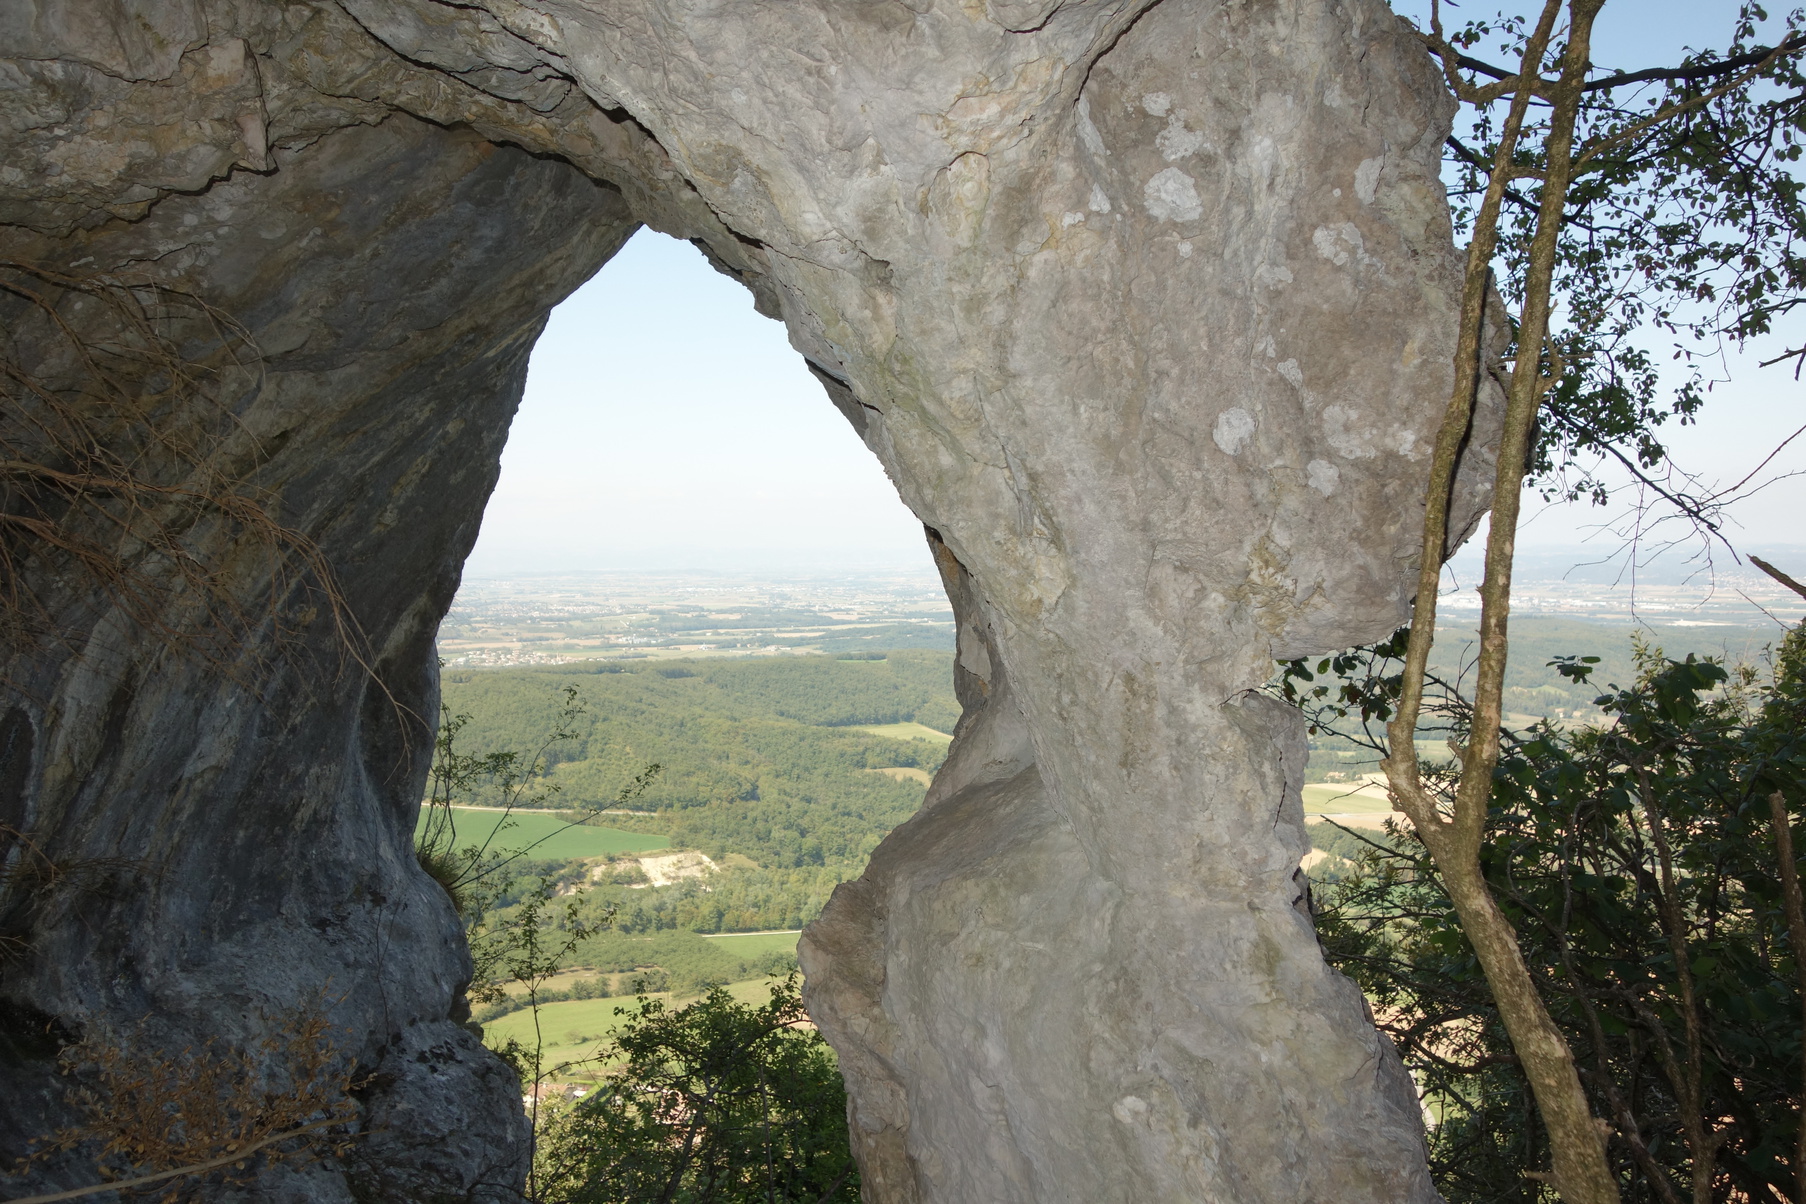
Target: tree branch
{"points": [[1694, 510], [1704, 71], [1674, 110], [1795, 908], [1778, 575], [1647, 75]]}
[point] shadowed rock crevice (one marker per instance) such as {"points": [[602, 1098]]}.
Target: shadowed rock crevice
{"points": [[1148, 313]]}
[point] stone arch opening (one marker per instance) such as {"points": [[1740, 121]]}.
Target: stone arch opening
{"points": [[1146, 309], [667, 426]]}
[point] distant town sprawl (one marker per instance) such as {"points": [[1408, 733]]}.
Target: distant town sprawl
{"points": [[557, 618]]}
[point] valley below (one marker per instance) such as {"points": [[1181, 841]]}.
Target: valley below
{"points": [[776, 769]]}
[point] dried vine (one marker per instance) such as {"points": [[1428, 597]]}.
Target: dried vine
{"points": [[126, 475]]}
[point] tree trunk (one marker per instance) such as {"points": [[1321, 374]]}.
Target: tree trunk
{"points": [[1579, 1169]]}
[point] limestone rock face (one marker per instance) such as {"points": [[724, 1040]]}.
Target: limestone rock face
{"points": [[1147, 308]]}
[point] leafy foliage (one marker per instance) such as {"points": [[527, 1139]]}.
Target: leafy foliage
{"points": [[716, 1103], [476, 875], [1689, 230], [1635, 862], [744, 900]]}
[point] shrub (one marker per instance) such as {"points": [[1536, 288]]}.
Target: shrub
{"points": [[717, 1103]]}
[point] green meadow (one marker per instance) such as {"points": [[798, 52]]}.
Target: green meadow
{"points": [[575, 1030], [1341, 798], [750, 945], [544, 835]]}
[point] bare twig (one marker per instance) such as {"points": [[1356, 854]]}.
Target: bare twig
{"points": [[122, 458]]}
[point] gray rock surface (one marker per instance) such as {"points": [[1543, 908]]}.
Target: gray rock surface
{"points": [[1147, 309]]}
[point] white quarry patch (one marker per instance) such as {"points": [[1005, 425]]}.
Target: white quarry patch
{"points": [[1323, 476], [1100, 200], [1172, 196], [1157, 104], [1185, 250], [1232, 430], [667, 869], [1292, 372], [1071, 219], [1367, 178]]}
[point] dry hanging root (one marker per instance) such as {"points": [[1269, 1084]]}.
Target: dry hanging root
{"points": [[160, 1118], [125, 474]]}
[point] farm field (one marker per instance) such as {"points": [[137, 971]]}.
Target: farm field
{"points": [[751, 944], [898, 773], [546, 836], [1338, 798], [576, 1028], [904, 731]]}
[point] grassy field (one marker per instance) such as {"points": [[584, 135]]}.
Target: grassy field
{"points": [[752, 944], [1342, 798], [904, 731], [575, 1028], [549, 835]]}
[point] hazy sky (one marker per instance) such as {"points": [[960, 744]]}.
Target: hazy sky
{"points": [[668, 425]]}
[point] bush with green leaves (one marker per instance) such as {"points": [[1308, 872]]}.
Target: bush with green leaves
{"points": [[719, 1102], [1639, 861]]}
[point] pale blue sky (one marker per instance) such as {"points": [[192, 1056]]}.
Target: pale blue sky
{"points": [[668, 425]]}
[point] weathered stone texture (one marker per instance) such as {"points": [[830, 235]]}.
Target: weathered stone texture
{"points": [[1147, 309], [271, 816]]}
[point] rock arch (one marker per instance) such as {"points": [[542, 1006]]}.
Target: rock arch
{"points": [[1147, 308]]}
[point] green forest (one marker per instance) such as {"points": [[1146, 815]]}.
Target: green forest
{"points": [[761, 769]]}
